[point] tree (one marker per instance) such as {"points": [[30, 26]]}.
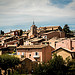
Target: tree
{"points": [[41, 69], [55, 66], [2, 32], [66, 28], [7, 61], [21, 32], [71, 67]]}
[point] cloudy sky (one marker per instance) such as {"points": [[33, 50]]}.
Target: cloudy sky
{"points": [[43, 12]]}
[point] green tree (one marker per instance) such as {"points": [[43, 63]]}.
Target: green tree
{"points": [[55, 66], [66, 28], [21, 32], [71, 67], [41, 69], [67, 31], [2, 32], [7, 61]]}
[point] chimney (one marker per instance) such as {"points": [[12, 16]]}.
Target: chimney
{"points": [[70, 44]]}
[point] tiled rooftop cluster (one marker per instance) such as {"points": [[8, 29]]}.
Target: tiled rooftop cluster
{"points": [[38, 44]]}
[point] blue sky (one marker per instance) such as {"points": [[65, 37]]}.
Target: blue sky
{"points": [[21, 13]]}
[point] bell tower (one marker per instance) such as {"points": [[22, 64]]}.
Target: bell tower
{"points": [[33, 30]]}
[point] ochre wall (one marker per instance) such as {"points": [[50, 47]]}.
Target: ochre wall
{"points": [[63, 53]]}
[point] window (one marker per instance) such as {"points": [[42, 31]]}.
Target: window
{"points": [[36, 53], [22, 56], [72, 47], [73, 55], [18, 53], [29, 55], [45, 37], [50, 42], [22, 53], [62, 42], [16, 32], [36, 59]]}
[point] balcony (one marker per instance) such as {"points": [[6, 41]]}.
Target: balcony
{"points": [[36, 56]]}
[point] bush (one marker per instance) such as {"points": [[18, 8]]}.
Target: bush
{"points": [[55, 66]]}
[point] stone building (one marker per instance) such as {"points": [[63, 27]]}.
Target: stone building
{"points": [[33, 31], [39, 53], [65, 53]]}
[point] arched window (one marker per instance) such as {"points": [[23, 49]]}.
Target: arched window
{"points": [[36, 53]]}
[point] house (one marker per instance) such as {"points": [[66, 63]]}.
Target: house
{"points": [[4, 40], [25, 35], [68, 43], [28, 65], [52, 42], [28, 42], [14, 33], [58, 34], [48, 29], [34, 41], [5, 50], [37, 41], [65, 53], [51, 28], [12, 43], [39, 53]]}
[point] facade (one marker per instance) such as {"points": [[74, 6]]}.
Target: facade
{"points": [[4, 40], [28, 42], [40, 53], [14, 33], [66, 43], [16, 42], [37, 41], [51, 28], [65, 53], [0, 52], [12, 43], [33, 31], [8, 49], [52, 34], [52, 42]]}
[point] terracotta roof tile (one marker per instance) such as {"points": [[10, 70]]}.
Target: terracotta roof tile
{"points": [[32, 46]]}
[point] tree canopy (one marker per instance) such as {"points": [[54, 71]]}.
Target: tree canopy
{"points": [[7, 61], [68, 32], [55, 66], [66, 28]]}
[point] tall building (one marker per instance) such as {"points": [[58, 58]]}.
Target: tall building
{"points": [[33, 31]]}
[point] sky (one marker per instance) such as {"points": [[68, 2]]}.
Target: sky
{"points": [[20, 14]]}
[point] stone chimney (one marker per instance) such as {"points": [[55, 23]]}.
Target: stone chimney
{"points": [[70, 44]]}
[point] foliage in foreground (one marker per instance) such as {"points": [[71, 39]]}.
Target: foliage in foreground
{"points": [[56, 66], [7, 61]]}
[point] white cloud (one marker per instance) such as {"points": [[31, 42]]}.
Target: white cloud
{"points": [[21, 11]]}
